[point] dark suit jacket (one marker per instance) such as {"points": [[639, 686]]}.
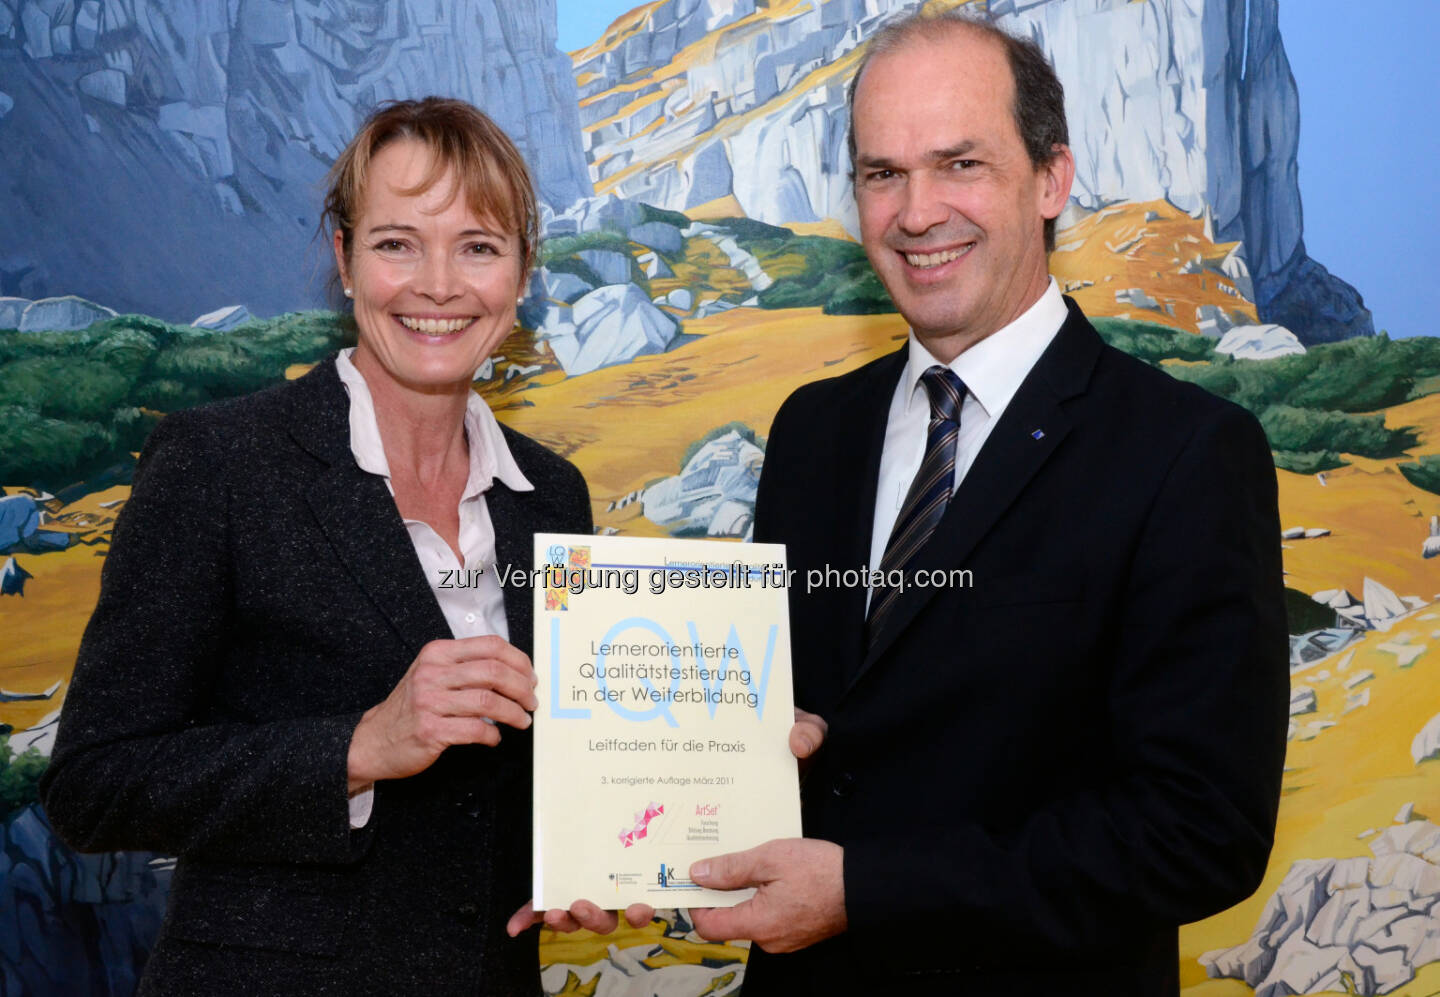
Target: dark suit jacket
{"points": [[260, 594], [1036, 778]]}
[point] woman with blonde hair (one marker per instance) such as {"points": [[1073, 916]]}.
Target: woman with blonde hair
{"points": [[303, 677]]}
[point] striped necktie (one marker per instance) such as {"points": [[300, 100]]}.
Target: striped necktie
{"points": [[930, 491]]}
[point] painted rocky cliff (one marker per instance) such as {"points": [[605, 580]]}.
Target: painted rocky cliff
{"points": [[1192, 101], [163, 158]]}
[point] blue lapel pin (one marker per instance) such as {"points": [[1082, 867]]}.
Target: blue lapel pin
{"points": [[1039, 434]]}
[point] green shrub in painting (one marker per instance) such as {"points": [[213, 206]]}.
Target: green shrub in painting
{"points": [[1303, 614], [72, 403], [1308, 430], [1355, 375], [49, 451], [1152, 342], [1307, 461], [834, 274], [1424, 473], [860, 294], [19, 778]]}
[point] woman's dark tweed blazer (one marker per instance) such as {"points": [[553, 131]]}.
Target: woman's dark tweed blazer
{"points": [[260, 594]]}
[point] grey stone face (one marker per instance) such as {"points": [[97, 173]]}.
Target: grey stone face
{"points": [[209, 125], [1189, 101]]}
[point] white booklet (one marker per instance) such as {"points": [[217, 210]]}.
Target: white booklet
{"points": [[666, 705]]}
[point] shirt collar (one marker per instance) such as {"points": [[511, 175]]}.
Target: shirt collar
{"points": [[490, 457], [994, 367]]}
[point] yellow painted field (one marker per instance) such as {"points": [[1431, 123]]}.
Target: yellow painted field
{"points": [[1122, 247], [42, 628], [627, 426]]}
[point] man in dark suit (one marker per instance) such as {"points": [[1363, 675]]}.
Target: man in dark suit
{"points": [[1055, 731]]}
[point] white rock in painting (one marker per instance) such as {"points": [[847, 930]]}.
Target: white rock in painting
{"points": [[13, 577], [713, 307], [1365, 918], [660, 236], [1334, 598], [1359, 678], [731, 519], [62, 314], [610, 266], [1427, 742], [558, 320], [591, 214], [1136, 298], [1382, 606], [41, 737], [739, 258], [711, 489], [653, 265], [1259, 342], [1235, 267], [10, 311], [1212, 321], [612, 324], [559, 285], [87, 24], [1405, 653], [223, 318], [107, 85], [1302, 700]]}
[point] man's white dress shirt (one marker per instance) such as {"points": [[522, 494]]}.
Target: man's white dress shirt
{"points": [[991, 371]]}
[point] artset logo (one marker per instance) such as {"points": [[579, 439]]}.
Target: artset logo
{"points": [[628, 836]]}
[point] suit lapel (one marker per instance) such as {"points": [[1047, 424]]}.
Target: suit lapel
{"points": [[860, 423], [355, 511], [1031, 429]]}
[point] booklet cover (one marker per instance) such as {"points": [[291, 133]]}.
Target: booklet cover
{"points": [[666, 705]]}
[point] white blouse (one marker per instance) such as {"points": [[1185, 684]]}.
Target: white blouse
{"points": [[469, 593]]}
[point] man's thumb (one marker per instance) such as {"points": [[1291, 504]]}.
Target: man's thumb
{"points": [[722, 872]]}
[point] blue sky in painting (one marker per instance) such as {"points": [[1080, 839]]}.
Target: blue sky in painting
{"points": [[583, 21], [1368, 142], [1368, 81]]}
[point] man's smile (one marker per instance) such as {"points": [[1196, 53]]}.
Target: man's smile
{"points": [[927, 261]]}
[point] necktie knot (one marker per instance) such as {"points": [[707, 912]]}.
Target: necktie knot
{"points": [[947, 394]]}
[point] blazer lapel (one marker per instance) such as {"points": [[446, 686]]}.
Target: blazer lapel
{"points": [[357, 514], [514, 546], [1031, 429]]}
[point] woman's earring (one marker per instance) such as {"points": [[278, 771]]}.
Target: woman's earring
{"points": [[349, 293]]}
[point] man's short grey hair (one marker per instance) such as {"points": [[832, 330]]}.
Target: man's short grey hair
{"points": [[1039, 109]]}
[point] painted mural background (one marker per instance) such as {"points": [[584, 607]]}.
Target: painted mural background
{"points": [[158, 188]]}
